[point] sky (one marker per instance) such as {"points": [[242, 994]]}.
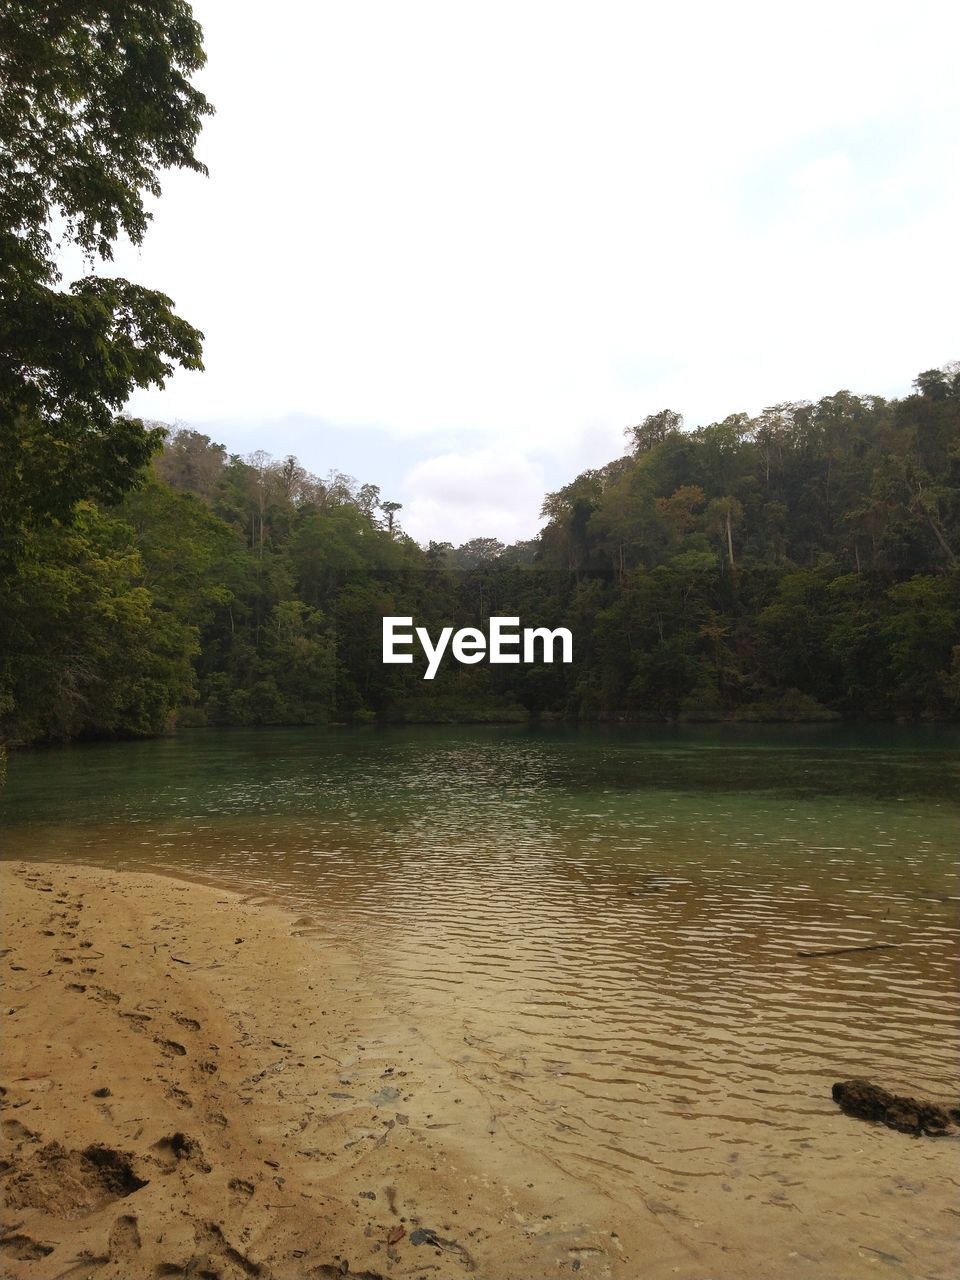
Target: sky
{"points": [[455, 249]]}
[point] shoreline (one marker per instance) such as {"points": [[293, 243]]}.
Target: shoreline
{"points": [[202, 1082], [544, 724], [196, 1083]]}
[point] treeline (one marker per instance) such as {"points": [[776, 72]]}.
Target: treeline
{"points": [[799, 565]]}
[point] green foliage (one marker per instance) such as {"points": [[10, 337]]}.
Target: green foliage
{"points": [[96, 100], [789, 706], [87, 649], [796, 567], [95, 103], [800, 565]]}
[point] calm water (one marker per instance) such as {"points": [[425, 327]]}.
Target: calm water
{"points": [[608, 923]]}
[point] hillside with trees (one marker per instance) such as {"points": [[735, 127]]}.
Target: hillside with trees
{"points": [[800, 565], [797, 565]]}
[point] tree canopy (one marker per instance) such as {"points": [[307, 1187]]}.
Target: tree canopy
{"points": [[95, 102], [796, 565]]}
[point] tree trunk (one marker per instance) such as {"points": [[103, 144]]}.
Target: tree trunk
{"points": [[730, 539], [938, 533]]}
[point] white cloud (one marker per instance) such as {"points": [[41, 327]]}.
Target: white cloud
{"points": [[482, 493]]}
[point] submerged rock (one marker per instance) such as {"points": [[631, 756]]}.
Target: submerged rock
{"points": [[908, 1115]]}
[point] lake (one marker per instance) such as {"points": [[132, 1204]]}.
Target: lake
{"points": [[601, 927]]}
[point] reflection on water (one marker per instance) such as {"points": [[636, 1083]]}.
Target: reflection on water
{"points": [[608, 923]]}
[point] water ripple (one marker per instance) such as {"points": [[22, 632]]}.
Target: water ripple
{"points": [[600, 938]]}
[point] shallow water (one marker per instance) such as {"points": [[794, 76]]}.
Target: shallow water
{"points": [[603, 926]]}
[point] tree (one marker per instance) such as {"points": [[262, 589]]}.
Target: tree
{"points": [[192, 463], [654, 430], [88, 648], [438, 554], [390, 510], [720, 517], [627, 520], [933, 384], [368, 499], [478, 553], [95, 101], [678, 511]]}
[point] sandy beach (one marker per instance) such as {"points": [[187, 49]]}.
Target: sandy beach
{"points": [[198, 1083], [196, 1086]]}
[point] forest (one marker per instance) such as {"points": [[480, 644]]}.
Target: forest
{"points": [[801, 565], [798, 565]]}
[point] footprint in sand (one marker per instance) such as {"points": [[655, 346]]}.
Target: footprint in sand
{"points": [[124, 1240], [15, 1133], [177, 1149], [137, 1019], [23, 1248], [170, 1046], [214, 1256]]}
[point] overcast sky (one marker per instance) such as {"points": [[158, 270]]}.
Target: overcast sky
{"points": [[454, 249]]}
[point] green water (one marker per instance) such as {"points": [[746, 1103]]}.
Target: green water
{"points": [[620, 912]]}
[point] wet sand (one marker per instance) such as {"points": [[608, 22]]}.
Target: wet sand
{"points": [[202, 1084]]}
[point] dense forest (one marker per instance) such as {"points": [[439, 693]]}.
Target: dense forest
{"points": [[800, 565]]}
